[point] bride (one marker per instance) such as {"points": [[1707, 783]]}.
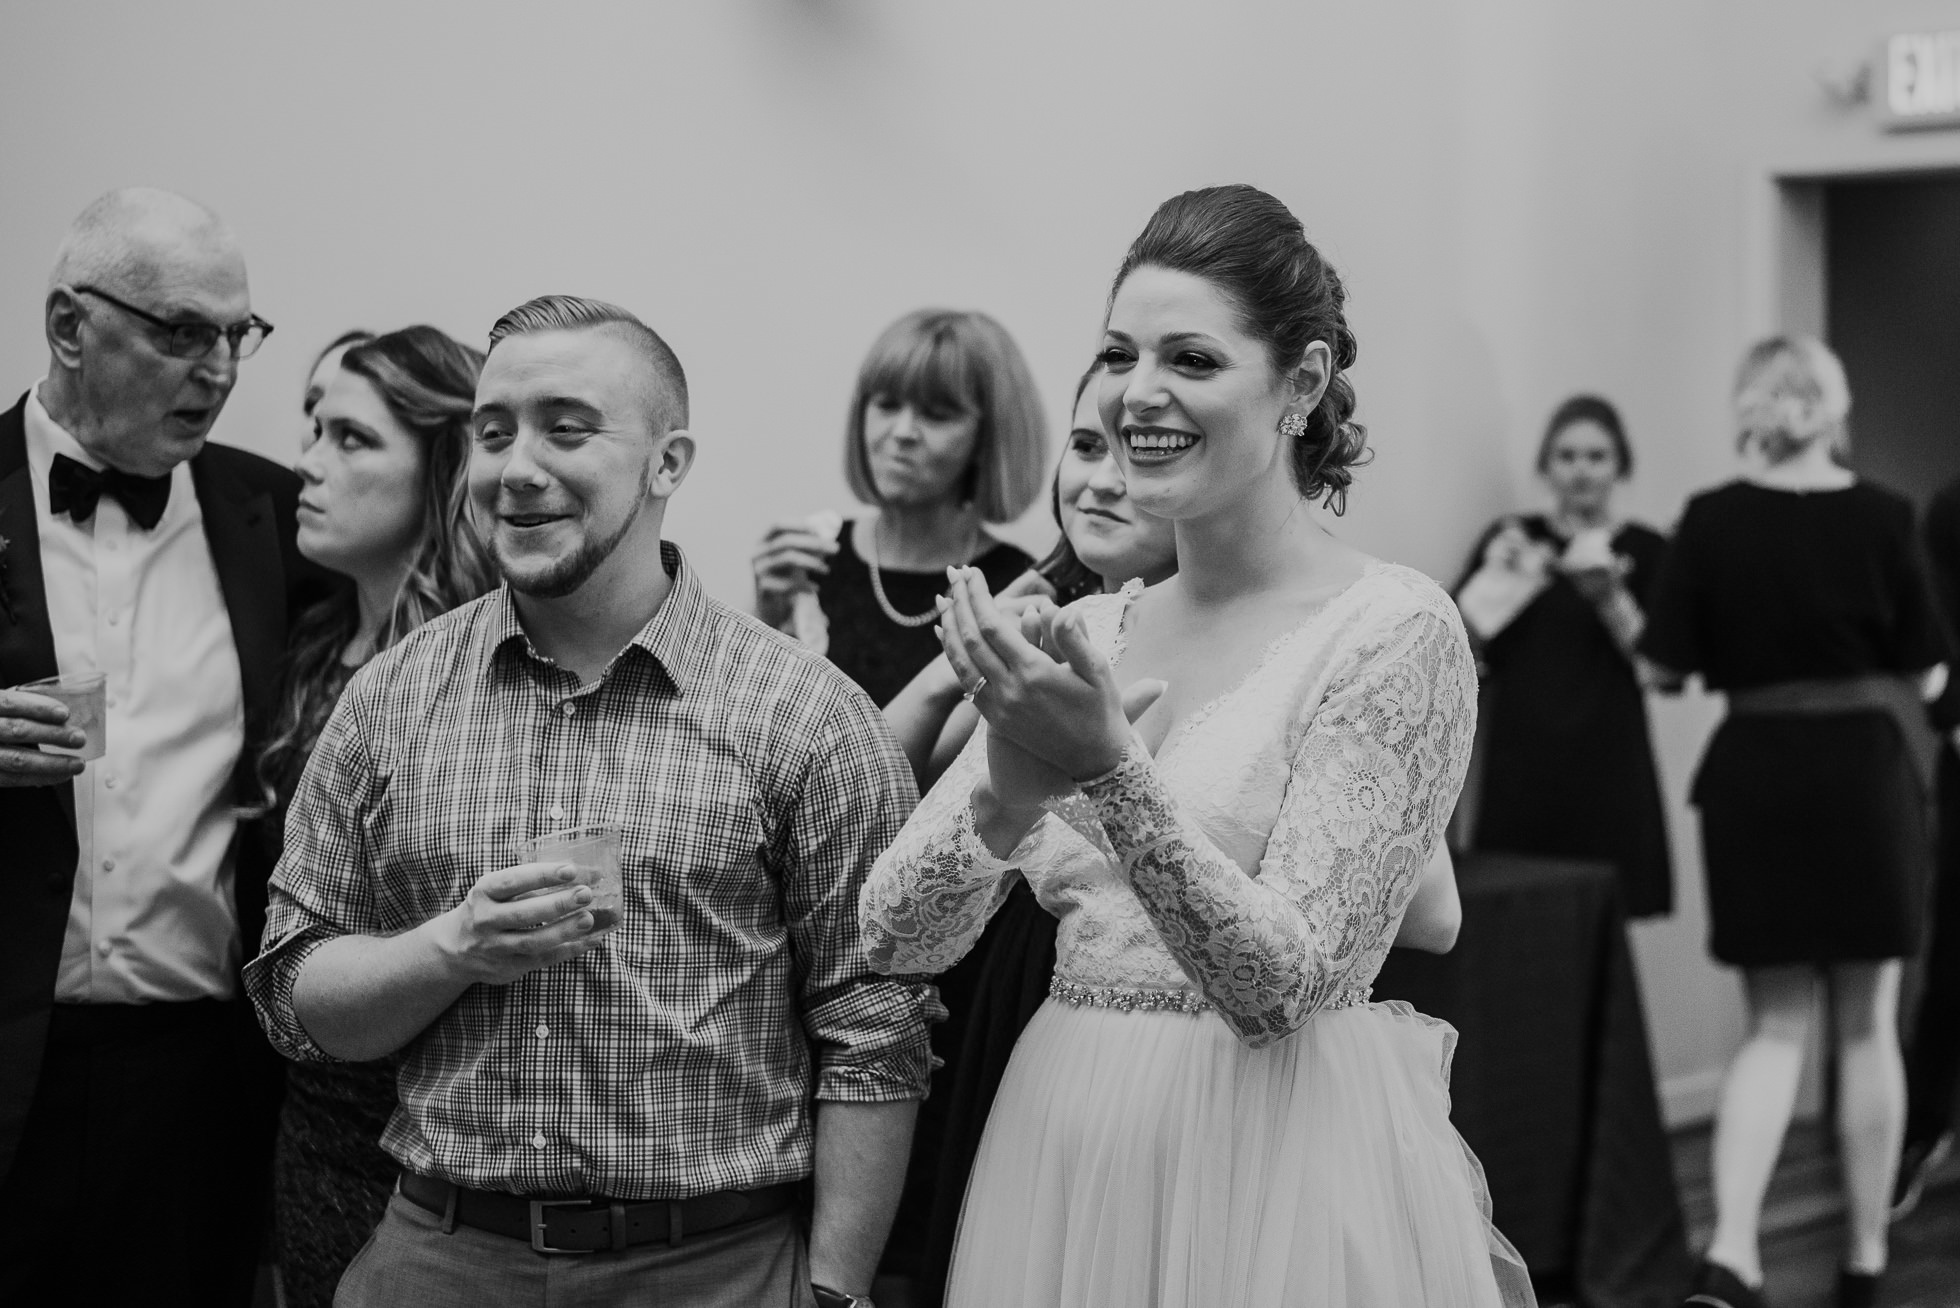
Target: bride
{"points": [[1226, 786]]}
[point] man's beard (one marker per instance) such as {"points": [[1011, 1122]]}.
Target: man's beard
{"points": [[564, 576]]}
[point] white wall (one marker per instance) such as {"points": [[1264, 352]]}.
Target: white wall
{"points": [[768, 182], [1526, 197]]}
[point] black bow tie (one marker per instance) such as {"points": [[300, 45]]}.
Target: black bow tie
{"points": [[74, 488]]}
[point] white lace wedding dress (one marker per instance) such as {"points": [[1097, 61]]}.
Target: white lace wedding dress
{"points": [[1208, 1112]]}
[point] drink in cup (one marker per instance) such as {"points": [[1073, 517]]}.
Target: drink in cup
{"points": [[83, 694], [594, 851]]}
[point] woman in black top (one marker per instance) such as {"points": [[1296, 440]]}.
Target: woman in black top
{"points": [[1569, 769], [1799, 591], [383, 506], [944, 434]]}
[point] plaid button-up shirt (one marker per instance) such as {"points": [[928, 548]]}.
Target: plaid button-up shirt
{"points": [[755, 786]]}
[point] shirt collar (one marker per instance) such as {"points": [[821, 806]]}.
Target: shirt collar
{"points": [[47, 438], [673, 637]]}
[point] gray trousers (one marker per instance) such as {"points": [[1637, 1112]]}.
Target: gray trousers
{"points": [[409, 1261]]}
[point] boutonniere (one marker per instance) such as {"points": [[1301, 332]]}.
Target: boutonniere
{"points": [[6, 596]]}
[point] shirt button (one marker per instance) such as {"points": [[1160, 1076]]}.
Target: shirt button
{"points": [[557, 812], [543, 1030], [537, 1141], [108, 865], [104, 948], [568, 708], [110, 782]]}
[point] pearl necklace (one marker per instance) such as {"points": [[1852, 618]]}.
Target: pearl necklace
{"points": [[878, 585]]}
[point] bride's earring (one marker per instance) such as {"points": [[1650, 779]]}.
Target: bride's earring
{"points": [[1293, 426]]}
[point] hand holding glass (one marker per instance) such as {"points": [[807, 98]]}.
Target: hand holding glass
{"points": [[84, 696], [594, 851]]}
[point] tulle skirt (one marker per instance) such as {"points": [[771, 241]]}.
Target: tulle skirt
{"points": [[1151, 1160]]}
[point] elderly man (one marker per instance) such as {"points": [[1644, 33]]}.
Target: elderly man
{"points": [[602, 1106], [137, 1099]]}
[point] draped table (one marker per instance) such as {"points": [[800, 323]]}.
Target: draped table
{"points": [[1553, 1082]]}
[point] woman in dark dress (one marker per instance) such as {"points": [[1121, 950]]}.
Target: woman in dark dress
{"points": [[1799, 591], [1569, 768], [944, 435], [383, 506], [1105, 541]]}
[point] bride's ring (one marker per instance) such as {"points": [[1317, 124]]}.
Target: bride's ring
{"points": [[975, 689]]}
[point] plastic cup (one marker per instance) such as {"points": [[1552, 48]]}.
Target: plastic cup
{"points": [[83, 693], [592, 849]]}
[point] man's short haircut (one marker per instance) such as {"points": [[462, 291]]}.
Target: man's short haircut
{"points": [[560, 313]]}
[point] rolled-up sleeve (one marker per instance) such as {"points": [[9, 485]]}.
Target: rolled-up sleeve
{"points": [[322, 888], [869, 1032]]}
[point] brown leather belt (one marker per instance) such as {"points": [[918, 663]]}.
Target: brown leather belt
{"points": [[590, 1225]]}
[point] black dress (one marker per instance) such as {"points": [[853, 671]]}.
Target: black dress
{"points": [[1569, 767], [1813, 824], [878, 654], [881, 657], [330, 1177], [1933, 1062]]}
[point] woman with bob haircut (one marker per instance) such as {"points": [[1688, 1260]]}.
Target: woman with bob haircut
{"points": [[1568, 769], [1798, 590], [944, 435], [383, 504], [1228, 787]]}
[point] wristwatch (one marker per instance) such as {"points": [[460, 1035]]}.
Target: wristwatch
{"points": [[829, 1298]]}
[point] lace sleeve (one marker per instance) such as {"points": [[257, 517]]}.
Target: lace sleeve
{"points": [[1370, 786], [931, 893]]}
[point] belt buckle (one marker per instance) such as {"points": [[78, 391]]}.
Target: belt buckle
{"points": [[538, 1214]]}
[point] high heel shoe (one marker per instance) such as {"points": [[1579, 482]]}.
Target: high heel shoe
{"points": [[1718, 1287], [1858, 1289]]}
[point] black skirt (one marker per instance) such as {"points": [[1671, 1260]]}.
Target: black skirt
{"points": [[998, 988], [1814, 839]]}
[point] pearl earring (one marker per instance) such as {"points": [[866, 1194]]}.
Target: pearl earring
{"points": [[1293, 426]]}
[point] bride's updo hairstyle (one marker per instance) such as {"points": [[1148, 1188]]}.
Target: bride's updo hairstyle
{"points": [[1251, 247]]}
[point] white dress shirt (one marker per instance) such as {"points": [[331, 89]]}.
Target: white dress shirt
{"points": [[153, 917]]}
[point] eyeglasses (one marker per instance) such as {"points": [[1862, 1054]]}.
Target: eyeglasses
{"points": [[195, 338]]}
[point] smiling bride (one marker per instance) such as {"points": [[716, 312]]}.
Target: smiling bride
{"points": [[1226, 786]]}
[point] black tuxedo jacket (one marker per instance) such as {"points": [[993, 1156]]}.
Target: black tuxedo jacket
{"points": [[248, 504]]}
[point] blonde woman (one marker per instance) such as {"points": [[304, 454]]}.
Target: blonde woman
{"points": [[1797, 590], [944, 436]]}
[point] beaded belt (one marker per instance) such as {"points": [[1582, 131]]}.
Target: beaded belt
{"points": [[1164, 1001], [1129, 1000]]}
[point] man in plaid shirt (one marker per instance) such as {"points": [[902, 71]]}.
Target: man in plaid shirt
{"points": [[639, 1092]]}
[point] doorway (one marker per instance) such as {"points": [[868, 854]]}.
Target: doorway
{"points": [[1892, 313]]}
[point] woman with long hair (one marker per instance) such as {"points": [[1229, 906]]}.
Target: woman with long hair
{"points": [[1798, 591], [1105, 540], [944, 436], [1228, 786], [383, 505], [1554, 603]]}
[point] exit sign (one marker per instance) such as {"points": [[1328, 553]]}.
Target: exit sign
{"points": [[1922, 81]]}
